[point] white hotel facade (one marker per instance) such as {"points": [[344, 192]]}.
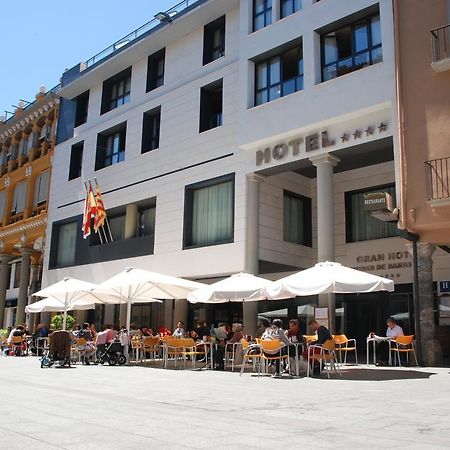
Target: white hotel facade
{"points": [[237, 136]]}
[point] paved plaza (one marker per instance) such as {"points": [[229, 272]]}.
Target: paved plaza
{"points": [[145, 407]]}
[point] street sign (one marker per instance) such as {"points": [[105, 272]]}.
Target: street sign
{"points": [[444, 288]]}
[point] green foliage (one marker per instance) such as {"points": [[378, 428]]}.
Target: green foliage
{"points": [[3, 332], [57, 322]]}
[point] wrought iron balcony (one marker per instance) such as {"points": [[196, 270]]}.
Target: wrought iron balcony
{"points": [[437, 179], [440, 44]]}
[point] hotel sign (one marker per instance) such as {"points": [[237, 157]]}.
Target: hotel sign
{"points": [[310, 143]]}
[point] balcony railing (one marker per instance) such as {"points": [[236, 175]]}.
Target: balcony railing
{"points": [[126, 40], [437, 179], [440, 45]]}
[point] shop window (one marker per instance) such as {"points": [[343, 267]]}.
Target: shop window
{"points": [[76, 160], [351, 47], [116, 91], [360, 224], [155, 70], [211, 104], [209, 212], [289, 7], [262, 14], [150, 130], [81, 108], [297, 223], [66, 243], [111, 146], [214, 40], [41, 189], [279, 75]]}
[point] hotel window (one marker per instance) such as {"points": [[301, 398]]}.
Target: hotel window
{"points": [[76, 160], [360, 224], [111, 147], [289, 7], [296, 219], [150, 130], [209, 213], [146, 221], [19, 198], [41, 189], [155, 70], [211, 99], [351, 47], [262, 14], [67, 237], [214, 40], [117, 226], [279, 75], [116, 91], [81, 108]]}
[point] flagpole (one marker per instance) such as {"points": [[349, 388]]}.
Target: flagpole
{"points": [[96, 207], [106, 217], [87, 199]]}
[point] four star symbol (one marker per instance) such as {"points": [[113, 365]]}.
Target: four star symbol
{"points": [[344, 137], [382, 127], [357, 134], [369, 130]]}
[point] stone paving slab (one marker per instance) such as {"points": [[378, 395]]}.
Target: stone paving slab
{"points": [[99, 407]]}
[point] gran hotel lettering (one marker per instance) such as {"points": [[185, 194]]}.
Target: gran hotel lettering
{"points": [[310, 143]]}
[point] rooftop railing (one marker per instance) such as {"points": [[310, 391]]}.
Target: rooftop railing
{"points": [[440, 43], [166, 16], [437, 179]]}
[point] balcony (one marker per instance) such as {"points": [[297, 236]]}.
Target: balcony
{"points": [[440, 44], [437, 179]]}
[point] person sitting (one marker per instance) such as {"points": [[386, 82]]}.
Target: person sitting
{"points": [[276, 332], [393, 331], [135, 332], [93, 331], [263, 325], [101, 339], [323, 333], [179, 331], [295, 337], [200, 331], [18, 331], [88, 349]]}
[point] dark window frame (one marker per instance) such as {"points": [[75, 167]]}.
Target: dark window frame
{"points": [[210, 116], [307, 213], [291, 3], [349, 238], [111, 101], [298, 80], [188, 206], [76, 160], [155, 79], [353, 23], [210, 51], [265, 12], [102, 148], [150, 138], [81, 108]]}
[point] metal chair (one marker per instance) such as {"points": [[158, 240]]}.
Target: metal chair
{"points": [[403, 344], [343, 344]]}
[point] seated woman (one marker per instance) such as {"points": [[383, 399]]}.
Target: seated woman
{"points": [[89, 349], [276, 332]]}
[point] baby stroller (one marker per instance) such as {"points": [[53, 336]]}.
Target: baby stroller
{"points": [[112, 354], [58, 351]]}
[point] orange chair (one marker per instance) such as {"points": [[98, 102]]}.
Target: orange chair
{"points": [[254, 357], [271, 351], [343, 344], [149, 345], [325, 354], [403, 344], [191, 349], [310, 338]]}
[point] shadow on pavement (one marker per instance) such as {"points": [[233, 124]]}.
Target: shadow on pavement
{"points": [[380, 374]]}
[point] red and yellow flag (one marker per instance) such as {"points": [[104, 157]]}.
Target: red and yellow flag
{"points": [[90, 210], [100, 215]]}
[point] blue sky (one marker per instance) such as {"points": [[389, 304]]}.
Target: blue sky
{"points": [[41, 39]]}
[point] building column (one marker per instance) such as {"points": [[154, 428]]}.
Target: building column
{"points": [[32, 319], [250, 309], [431, 351], [180, 312], [4, 284], [22, 300], [131, 223], [325, 223]]}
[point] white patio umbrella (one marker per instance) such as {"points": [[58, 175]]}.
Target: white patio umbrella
{"points": [[140, 286], [241, 287], [52, 305], [328, 278], [68, 292]]}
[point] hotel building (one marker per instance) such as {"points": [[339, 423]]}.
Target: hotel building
{"points": [[236, 136], [26, 149]]}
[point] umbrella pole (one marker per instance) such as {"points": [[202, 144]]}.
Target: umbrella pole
{"points": [[128, 329], [64, 317]]}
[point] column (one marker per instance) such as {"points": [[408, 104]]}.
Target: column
{"points": [[250, 309], [32, 319], [168, 314], [4, 284], [131, 223], [22, 300], [276, 11], [430, 347], [180, 312], [325, 222]]}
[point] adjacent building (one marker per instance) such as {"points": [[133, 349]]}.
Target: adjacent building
{"points": [[236, 136], [26, 149]]}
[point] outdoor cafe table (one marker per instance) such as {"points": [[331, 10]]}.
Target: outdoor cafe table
{"points": [[375, 340], [296, 345]]}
